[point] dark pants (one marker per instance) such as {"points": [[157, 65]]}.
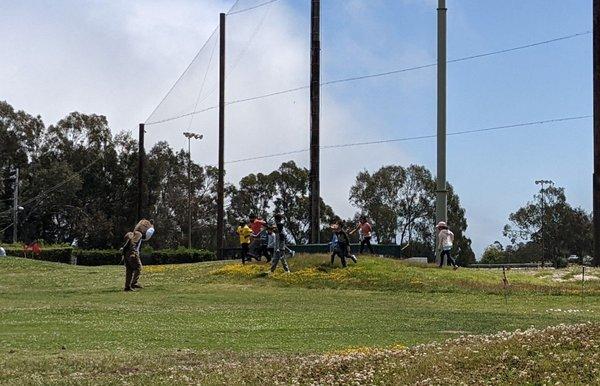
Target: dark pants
{"points": [[366, 241], [264, 251], [342, 252], [133, 269], [245, 249], [451, 260]]}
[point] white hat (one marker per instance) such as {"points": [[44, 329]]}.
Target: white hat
{"points": [[441, 224]]}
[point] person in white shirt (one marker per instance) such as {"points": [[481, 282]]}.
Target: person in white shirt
{"points": [[444, 244]]}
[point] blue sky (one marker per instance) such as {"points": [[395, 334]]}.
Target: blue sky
{"points": [[118, 58]]}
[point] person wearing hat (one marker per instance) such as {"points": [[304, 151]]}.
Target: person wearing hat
{"points": [[444, 244], [280, 248], [143, 231]]}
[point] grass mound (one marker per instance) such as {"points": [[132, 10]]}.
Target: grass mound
{"points": [[224, 323], [376, 273]]}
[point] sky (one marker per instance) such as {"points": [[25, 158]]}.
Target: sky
{"points": [[120, 58]]}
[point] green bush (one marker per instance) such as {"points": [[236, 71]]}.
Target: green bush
{"points": [[181, 255], [94, 257], [54, 253], [148, 256]]}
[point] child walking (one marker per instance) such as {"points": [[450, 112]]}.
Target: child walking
{"points": [[279, 224], [343, 242], [280, 247], [445, 240], [244, 231]]}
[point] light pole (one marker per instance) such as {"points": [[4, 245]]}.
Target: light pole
{"points": [[542, 230], [189, 137]]}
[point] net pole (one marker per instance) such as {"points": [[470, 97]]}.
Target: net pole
{"points": [[441, 190], [596, 177], [221, 181], [315, 64], [140, 177]]}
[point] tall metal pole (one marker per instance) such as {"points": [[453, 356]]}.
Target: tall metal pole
{"points": [[315, 64], [141, 156], [189, 137], [441, 204], [596, 181], [15, 206], [221, 182], [189, 193]]}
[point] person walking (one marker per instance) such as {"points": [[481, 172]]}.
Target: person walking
{"points": [[333, 244], [256, 224], [143, 231], [444, 244], [270, 243], [244, 231], [365, 230], [278, 218], [343, 245], [280, 248]]}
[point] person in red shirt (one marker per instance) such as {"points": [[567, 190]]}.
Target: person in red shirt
{"points": [[256, 224], [366, 233]]}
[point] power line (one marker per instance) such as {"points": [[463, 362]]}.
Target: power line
{"points": [[380, 74], [405, 139]]}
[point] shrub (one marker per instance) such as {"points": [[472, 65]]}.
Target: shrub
{"points": [[181, 255], [148, 256], [55, 253], [94, 257]]}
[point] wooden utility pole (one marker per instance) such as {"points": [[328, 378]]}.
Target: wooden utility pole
{"points": [[141, 156], [441, 203], [221, 182], [596, 177], [315, 65]]}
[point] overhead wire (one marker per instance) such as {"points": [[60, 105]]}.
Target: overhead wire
{"points": [[376, 75], [405, 139]]}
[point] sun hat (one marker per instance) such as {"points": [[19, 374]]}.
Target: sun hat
{"points": [[441, 224]]}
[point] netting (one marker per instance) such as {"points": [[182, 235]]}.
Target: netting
{"points": [[265, 53], [378, 97]]}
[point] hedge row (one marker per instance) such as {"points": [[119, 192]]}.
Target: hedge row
{"points": [[65, 254], [164, 256], [54, 253]]}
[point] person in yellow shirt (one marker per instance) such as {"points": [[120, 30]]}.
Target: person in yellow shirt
{"points": [[244, 231]]}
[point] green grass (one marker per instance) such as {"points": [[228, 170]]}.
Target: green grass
{"points": [[57, 319]]}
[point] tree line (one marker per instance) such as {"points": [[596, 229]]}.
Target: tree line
{"points": [[78, 180], [545, 229]]}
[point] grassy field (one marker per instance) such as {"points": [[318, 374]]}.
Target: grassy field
{"points": [[220, 322]]}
